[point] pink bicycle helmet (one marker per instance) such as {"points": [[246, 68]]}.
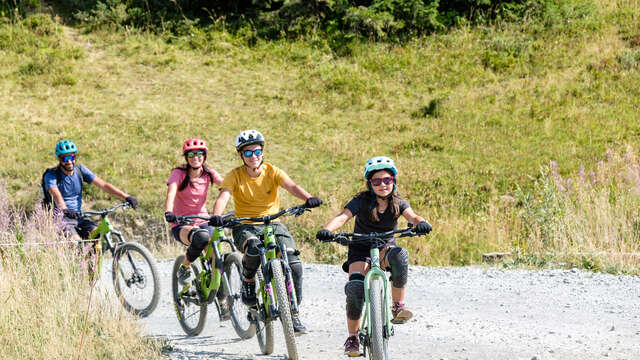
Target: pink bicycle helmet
{"points": [[194, 144]]}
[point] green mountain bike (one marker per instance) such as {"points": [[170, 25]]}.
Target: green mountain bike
{"points": [[217, 276], [274, 273], [376, 328], [134, 273]]}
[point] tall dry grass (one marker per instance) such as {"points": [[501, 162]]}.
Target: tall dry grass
{"points": [[44, 295], [590, 218]]}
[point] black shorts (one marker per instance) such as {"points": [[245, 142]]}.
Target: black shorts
{"points": [[243, 232], [359, 253], [81, 227], [175, 231]]}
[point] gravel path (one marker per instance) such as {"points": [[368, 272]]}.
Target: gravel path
{"points": [[461, 313]]}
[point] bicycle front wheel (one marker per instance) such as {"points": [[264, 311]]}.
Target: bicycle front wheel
{"points": [[135, 278], [378, 343], [238, 311], [262, 321], [285, 310], [191, 312]]}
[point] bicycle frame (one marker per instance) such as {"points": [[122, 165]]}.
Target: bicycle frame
{"points": [[209, 281], [268, 255], [375, 272]]}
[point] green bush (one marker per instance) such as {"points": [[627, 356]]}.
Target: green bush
{"points": [[338, 20]]}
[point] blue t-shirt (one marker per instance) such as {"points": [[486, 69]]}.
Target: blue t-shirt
{"points": [[70, 186]]}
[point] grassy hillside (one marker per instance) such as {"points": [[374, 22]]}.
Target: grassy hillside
{"points": [[470, 116]]}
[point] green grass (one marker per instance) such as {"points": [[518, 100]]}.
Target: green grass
{"points": [[469, 115]]}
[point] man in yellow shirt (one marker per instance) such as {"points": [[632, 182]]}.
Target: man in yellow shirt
{"points": [[254, 187]]}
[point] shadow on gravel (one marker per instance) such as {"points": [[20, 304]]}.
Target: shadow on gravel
{"points": [[188, 345]]}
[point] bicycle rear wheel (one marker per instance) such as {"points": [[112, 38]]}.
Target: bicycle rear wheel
{"points": [[284, 307], [378, 344], [238, 311], [191, 312], [135, 278], [264, 325]]}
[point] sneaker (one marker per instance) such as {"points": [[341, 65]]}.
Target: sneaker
{"points": [[401, 314], [184, 274], [248, 293], [352, 346], [298, 328], [224, 310]]}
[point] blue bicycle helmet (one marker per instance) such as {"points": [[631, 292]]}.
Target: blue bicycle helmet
{"points": [[66, 147], [379, 163]]}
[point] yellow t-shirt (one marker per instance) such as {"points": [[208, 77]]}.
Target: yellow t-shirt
{"points": [[255, 197]]}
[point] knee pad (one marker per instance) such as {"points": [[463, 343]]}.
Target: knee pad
{"points": [[199, 240], [296, 274], [251, 258], [398, 259], [354, 289]]}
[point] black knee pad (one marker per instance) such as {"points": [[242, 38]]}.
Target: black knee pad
{"points": [[398, 259], [354, 289], [296, 274], [199, 240], [251, 258]]}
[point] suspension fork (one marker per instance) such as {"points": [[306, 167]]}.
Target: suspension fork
{"points": [[266, 265], [288, 276]]}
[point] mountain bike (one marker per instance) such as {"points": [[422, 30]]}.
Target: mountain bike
{"points": [[274, 272], [134, 273], [191, 300], [376, 328]]}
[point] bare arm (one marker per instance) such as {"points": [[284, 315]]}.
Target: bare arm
{"points": [[411, 216], [221, 201], [57, 197], [108, 188], [295, 189], [339, 220], [172, 189]]}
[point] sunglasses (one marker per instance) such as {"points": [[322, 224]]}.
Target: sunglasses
{"points": [[66, 158], [249, 153], [192, 154], [378, 181]]}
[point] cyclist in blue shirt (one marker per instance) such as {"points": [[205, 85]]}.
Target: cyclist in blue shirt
{"points": [[63, 186]]}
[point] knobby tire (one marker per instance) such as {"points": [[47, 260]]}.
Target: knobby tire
{"points": [[238, 311], [378, 344], [285, 310], [191, 316], [139, 289]]}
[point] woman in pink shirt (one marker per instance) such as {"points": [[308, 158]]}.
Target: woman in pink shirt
{"points": [[187, 190]]}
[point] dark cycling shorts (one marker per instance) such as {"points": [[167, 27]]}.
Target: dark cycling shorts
{"points": [[243, 232], [359, 253], [81, 227], [176, 230]]}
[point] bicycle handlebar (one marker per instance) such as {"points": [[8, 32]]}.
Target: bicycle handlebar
{"points": [[189, 219], [294, 210], [124, 205], [352, 238]]}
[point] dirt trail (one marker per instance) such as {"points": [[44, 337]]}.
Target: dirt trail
{"points": [[461, 313]]}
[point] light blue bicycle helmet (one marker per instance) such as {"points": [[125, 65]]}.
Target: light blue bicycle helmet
{"points": [[379, 163], [66, 147]]}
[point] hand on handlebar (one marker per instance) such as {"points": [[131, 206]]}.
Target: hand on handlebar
{"points": [[71, 214], [132, 201], [312, 202], [423, 227], [324, 235], [170, 217], [216, 220]]}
